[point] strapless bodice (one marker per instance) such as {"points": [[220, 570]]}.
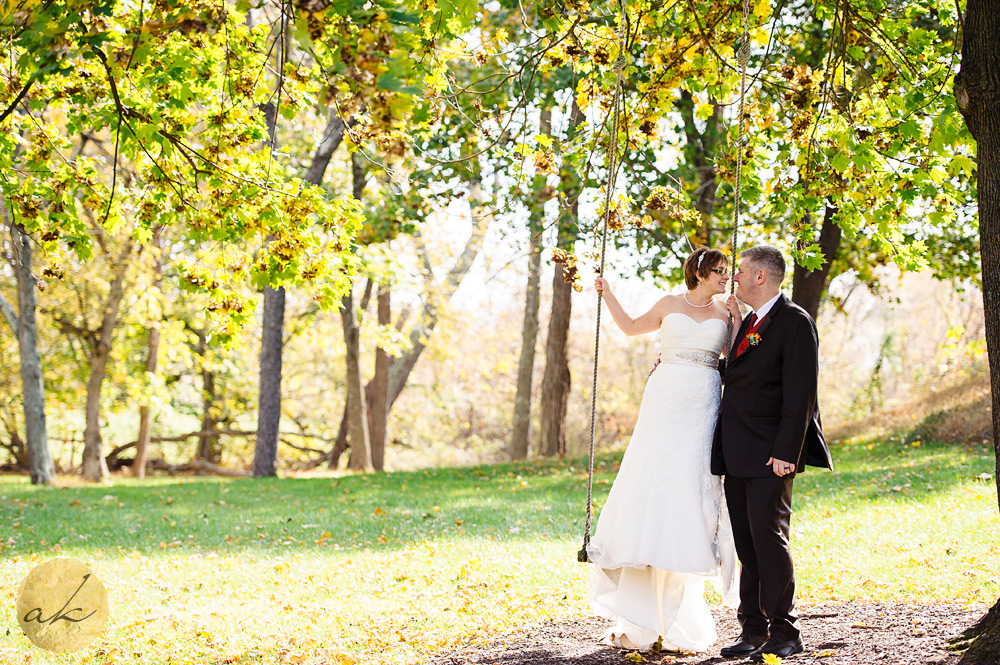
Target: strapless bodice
{"points": [[680, 333]]}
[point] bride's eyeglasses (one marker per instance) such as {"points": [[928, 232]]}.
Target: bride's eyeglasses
{"points": [[719, 271]]}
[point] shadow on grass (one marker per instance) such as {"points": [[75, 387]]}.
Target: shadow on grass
{"points": [[894, 472], [541, 500]]}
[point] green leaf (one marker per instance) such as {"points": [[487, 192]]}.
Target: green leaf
{"points": [[390, 81], [841, 162]]}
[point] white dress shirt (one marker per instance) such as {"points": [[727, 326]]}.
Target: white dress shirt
{"points": [[766, 307]]}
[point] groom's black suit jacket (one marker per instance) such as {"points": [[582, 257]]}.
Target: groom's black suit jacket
{"points": [[769, 406]]}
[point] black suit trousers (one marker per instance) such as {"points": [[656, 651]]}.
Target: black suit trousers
{"points": [[760, 510]]}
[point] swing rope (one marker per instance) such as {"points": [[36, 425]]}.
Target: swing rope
{"points": [[609, 191], [743, 57]]}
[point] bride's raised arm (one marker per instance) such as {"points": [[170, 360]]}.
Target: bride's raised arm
{"points": [[648, 322]]}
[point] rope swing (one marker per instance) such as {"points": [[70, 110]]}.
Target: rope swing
{"points": [[609, 190], [743, 56]]}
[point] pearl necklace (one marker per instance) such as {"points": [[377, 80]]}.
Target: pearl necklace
{"points": [[693, 305]]}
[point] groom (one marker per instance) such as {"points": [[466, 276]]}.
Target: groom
{"points": [[768, 429]]}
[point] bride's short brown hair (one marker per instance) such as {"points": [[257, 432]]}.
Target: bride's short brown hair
{"points": [[699, 263]]}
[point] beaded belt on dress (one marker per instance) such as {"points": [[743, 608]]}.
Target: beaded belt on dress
{"points": [[691, 356]]}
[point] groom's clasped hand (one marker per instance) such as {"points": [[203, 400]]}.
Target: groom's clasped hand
{"points": [[657, 542], [780, 467]]}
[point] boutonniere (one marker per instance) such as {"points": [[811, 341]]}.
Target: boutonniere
{"points": [[753, 339]]}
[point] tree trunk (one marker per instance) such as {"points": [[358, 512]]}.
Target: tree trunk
{"points": [[700, 155], [265, 456], [378, 400], [266, 449], [556, 380], [340, 443], [209, 449], [153, 348], [357, 419], [808, 286], [357, 422], [333, 135], [400, 368], [520, 437], [977, 92], [984, 638], [32, 382], [94, 467]]}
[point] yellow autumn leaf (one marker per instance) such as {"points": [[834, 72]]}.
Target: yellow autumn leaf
{"points": [[635, 657], [771, 659], [825, 653], [762, 8]]}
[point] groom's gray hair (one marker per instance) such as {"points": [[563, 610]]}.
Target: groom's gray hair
{"points": [[770, 259]]}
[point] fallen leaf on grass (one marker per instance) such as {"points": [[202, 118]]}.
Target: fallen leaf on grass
{"points": [[825, 653], [635, 657]]}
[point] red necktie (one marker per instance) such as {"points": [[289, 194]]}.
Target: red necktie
{"points": [[745, 342]]}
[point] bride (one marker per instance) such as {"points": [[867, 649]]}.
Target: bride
{"points": [[664, 529]]}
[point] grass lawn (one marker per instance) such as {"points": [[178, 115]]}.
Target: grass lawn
{"points": [[395, 568]]}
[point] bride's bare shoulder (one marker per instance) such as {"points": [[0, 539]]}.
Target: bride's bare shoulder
{"points": [[669, 303]]}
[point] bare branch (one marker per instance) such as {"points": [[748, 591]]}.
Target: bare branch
{"points": [[9, 313]]}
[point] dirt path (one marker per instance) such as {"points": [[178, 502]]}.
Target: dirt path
{"points": [[834, 634]]}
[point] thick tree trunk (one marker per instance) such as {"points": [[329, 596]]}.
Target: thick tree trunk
{"points": [[808, 286], [94, 467], [977, 92], [520, 437], [209, 448], [152, 351], [378, 399], [556, 380], [984, 638], [32, 383], [265, 454], [357, 421], [265, 457]]}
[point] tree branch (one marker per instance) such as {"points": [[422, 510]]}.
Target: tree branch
{"points": [[17, 100], [9, 313]]}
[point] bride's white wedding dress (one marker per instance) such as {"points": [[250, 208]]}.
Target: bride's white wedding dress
{"points": [[664, 528]]}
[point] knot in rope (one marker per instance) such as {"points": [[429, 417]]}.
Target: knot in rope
{"points": [[743, 55]]}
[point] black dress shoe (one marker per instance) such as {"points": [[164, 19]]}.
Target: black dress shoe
{"points": [[743, 646], [780, 648]]}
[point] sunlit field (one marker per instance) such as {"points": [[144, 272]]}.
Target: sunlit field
{"points": [[396, 568]]}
